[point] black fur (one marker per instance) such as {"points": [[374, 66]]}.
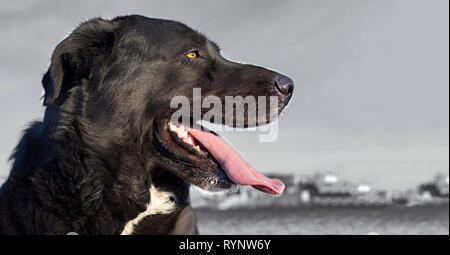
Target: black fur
{"points": [[88, 166]]}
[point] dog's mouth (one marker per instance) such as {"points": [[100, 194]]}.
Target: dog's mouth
{"points": [[208, 161]]}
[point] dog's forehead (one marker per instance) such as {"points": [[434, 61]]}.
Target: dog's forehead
{"points": [[169, 33], [182, 35]]}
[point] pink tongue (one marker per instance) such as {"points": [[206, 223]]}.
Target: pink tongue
{"points": [[236, 168]]}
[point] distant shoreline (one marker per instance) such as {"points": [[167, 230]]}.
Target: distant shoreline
{"points": [[326, 220], [442, 204]]}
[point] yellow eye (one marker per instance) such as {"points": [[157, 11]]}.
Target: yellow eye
{"points": [[192, 54]]}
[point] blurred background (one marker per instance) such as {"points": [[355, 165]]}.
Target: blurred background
{"points": [[367, 133]]}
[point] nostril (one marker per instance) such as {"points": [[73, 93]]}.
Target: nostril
{"points": [[284, 85], [289, 89]]}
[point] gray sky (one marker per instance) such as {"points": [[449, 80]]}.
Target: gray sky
{"points": [[372, 81]]}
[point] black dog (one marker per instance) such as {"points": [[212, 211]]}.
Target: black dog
{"points": [[105, 159]]}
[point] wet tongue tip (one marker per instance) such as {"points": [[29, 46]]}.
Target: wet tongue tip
{"points": [[236, 168], [276, 189]]}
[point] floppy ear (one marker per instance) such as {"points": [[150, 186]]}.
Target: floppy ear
{"points": [[73, 58]]}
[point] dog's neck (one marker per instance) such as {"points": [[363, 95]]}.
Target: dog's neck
{"points": [[162, 202], [102, 177]]}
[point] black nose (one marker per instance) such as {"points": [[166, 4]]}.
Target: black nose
{"points": [[284, 85]]}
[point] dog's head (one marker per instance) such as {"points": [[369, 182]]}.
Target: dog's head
{"points": [[120, 76]]}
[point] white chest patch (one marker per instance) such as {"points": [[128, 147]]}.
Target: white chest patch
{"points": [[161, 202]]}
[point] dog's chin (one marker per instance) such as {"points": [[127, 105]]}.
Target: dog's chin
{"points": [[188, 159]]}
